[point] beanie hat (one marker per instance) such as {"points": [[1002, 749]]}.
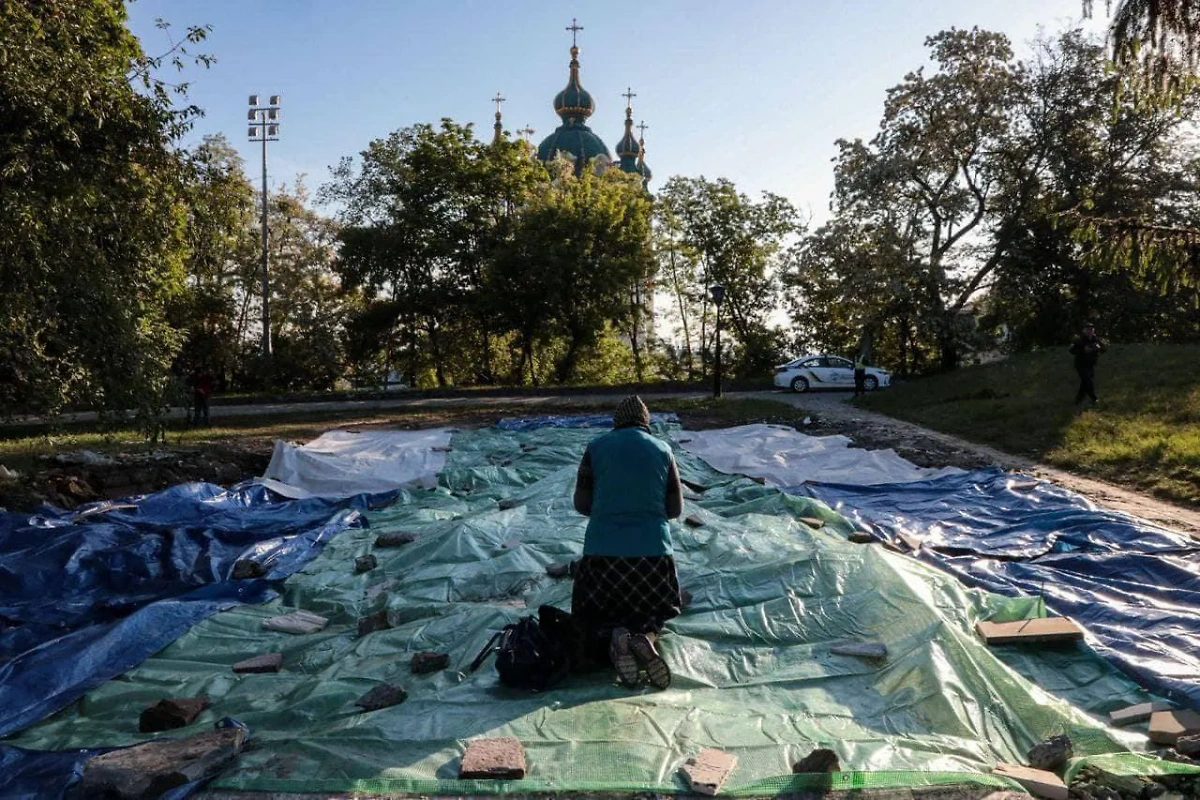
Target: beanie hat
{"points": [[632, 413]]}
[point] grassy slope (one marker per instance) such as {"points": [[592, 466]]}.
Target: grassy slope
{"points": [[1144, 433]]}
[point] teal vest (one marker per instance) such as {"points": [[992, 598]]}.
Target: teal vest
{"points": [[629, 515]]}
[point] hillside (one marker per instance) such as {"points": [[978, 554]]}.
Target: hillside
{"points": [[1145, 432]]}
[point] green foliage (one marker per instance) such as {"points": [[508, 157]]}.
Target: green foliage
{"points": [[92, 218]]}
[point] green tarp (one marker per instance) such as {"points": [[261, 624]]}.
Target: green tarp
{"points": [[751, 656]]}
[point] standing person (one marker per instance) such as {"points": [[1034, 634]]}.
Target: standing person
{"points": [[202, 383], [626, 586], [860, 374], [1087, 349]]}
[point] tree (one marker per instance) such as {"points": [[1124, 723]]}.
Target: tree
{"points": [[92, 223], [711, 233], [1162, 37]]}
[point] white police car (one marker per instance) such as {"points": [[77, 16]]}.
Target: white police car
{"points": [[826, 372]]}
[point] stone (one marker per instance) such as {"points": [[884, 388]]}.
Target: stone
{"points": [[860, 650], [813, 522], [298, 622], [1188, 746], [424, 663], [151, 769], [820, 760], [913, 543], [267, 662], [1036, 781], [707, 772], [171, 713], [246, 568], [395, 539], [374, 622], [365, 563], [1030, 631], [694, 521], [861, 537], [508, 503], [1051, 754], [384, 695], [1167, 726], [560, 569], [760, 480], [502, 758], [1139, 713]]}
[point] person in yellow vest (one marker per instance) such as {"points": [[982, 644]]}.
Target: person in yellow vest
{"points": [[860, 374]]}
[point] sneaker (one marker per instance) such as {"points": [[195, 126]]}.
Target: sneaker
{"points": [[621, 656], [648, 658]]}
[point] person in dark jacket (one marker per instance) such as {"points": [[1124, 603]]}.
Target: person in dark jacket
{"points": [[860, 374], [626, 586], [1086, 350]]}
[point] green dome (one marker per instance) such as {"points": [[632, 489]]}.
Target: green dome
{"points": [[574, 102], [575, 138]]}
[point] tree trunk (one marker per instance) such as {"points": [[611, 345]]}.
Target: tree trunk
{"points": [[435, 350]]}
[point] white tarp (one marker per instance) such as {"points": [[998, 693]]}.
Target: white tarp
{"points": [[785, 457], [344, 463]]}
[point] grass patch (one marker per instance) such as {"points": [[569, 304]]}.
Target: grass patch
{"points": [[1144, 433]]}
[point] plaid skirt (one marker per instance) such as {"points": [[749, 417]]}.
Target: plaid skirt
{"points": [[639, 594]]}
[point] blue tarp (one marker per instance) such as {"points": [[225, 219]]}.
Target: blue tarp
{"points": [[572, 421], [85, 597], [1134, 587]]}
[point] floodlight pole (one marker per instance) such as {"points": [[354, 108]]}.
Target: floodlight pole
{"points": [[264, 127]]}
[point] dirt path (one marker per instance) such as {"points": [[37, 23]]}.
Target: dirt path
{"points": [[831, 414]]}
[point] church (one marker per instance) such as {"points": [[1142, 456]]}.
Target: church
{"points": [[574, 105]]}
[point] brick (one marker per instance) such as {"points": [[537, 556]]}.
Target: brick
{"points": [[423, 663], [860, 650], [1030, 631], [813, 522], [1167, 726], [502, 758], [267, 662], [154, 768], [820, 760], [707, 772], [296, 622], [1139, 713], [384, 695], [862, 537], [374, 622], [1051, 753], [171, 713], [1036, 781], [365, 563], [395, 539]]}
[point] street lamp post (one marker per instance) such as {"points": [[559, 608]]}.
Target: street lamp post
{"points": [[264, 127], [717, 292]]}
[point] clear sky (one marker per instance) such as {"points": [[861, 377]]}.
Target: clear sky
{"points": [[755, 91]]}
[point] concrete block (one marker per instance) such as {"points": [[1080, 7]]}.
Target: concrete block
{"points": [[1030, 631], [267, 662], [1035, 781], [382, 696], [374, 622], [423, 663], [395, 539], [502, 757], [296, 622], [707, 772], [1188, 746], [820, 760], [1051, 753], [151, 769], [365, 563], [1131, 715], [1167, 726], [860, 650], [171, 713]]}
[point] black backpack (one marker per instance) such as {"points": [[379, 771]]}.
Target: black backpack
{"points": [[534, 653]]}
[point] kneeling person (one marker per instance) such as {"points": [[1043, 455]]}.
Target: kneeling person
{"points": [[626, 586]]}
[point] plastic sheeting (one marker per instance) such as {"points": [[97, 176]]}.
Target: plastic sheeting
{"points": [[86, 596], [754, 674], [345, 463], [785, 457], [1133, 586]]}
